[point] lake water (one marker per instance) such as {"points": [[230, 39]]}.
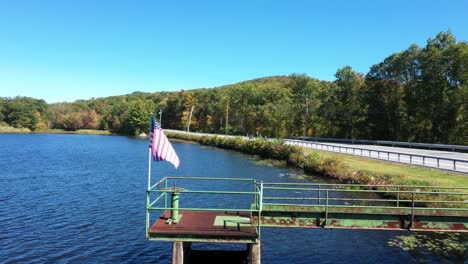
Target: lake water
{"points": [[81, 199]]}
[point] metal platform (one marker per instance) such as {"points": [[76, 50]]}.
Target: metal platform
{"points": [[205, 226]]}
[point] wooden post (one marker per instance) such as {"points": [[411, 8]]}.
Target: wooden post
{"points": [[254, 253], [177, 252], [180, 252]]}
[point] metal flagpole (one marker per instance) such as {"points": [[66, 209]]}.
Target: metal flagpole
{"points": [[148, 192], [149, 168], [149, 154]]}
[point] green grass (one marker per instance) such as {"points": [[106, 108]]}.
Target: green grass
{"points": [[93, 132], [407, 172], [9, 129], [79, 131]]}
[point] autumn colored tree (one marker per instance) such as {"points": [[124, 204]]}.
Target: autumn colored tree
{"points": [[419, 94]]}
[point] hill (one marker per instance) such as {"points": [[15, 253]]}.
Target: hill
{"points": [[418, 94]]}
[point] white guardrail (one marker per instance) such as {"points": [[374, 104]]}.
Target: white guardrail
{"points": [[457, 165]]}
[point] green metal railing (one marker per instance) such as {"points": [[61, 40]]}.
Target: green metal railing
{"points": [[441, 206], [388, 195], [432, 201], [159, 195]]}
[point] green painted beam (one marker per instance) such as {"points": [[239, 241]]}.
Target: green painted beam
{"points": [[363, 217]]}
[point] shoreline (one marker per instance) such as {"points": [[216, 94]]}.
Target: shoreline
{"points": [[12, 130]]}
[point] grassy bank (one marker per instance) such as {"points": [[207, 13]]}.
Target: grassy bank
{"points": [[9, 129], [336, 167], [79, 131], [406, 172]]}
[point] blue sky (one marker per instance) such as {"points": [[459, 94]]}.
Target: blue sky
{"points": [[67, 50]]}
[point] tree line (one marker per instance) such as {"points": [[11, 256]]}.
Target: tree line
{"points": [[419, 94]]}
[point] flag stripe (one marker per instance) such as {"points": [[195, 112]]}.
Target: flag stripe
{"points": [[157, 143], [161, 148]]}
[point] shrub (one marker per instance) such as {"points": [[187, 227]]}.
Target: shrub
{"points": [[312, 163]]}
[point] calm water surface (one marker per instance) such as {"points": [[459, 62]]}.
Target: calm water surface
{"points": [[81, 199]]}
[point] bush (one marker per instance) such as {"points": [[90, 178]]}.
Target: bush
{"points": [[312, 163]]}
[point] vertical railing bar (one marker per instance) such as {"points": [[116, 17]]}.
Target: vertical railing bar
{"points": [[412, 210], [165, 194], [318, 200], [147, 215], [398, 196], [260, 209], [326, 210]]}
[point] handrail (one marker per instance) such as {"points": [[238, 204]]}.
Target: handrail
{"points": [[424, 159], [206, 192], [204, 209], [197, 178], [396, 195], [363, 185], [159, 202]]}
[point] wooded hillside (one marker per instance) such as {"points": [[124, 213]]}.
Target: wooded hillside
{"points": [[419, 94]]}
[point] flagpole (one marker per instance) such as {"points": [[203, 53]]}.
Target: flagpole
{"points": [[149, 153], [149, 168], [149, 186]]}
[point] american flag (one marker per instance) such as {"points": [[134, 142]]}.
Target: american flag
{"points": [[161, 148]]}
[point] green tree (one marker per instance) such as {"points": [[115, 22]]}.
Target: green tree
{"points": [[384, 93], [302, 103], [137, 116], [342, 107], [22, 112], [172, 114], [441, 82], [3, 105]]}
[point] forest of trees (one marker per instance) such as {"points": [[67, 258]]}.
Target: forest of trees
{"points": [[419, 94]]}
